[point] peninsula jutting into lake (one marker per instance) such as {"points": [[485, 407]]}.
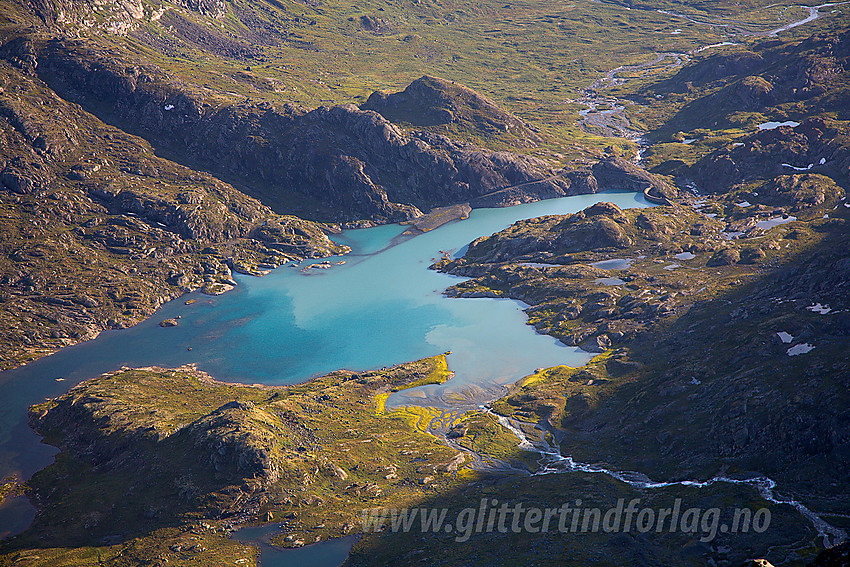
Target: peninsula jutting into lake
{"points": [[404, 282]]}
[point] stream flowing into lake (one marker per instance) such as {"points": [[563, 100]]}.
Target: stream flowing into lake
{"points": [[382, 307], [552, 461]]}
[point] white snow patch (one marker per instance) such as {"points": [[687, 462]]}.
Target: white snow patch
{"points": [[785, 337], [802, 348], [795, 168], [818, 308], [772, 125]]}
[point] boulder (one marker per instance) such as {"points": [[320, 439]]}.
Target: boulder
{"points": [[452, 465], [600, 343], [16, 182], [725, 257], [752, 93], [334, 470]]}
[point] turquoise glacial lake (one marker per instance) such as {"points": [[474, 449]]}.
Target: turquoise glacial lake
{"points": [[383, 306]]}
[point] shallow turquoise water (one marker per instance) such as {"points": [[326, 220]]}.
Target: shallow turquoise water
{"points": [[382, 307]]}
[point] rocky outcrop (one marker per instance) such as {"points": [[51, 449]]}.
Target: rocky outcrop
{"points": [[214, 8], [164, 447], [752, 93], [799, 191], [439, 217], [236, 442], [617, 173], [781, 79], [724, 257], [430, 101], [378, 26], [594, 228], [237, 438], [721, 66]]}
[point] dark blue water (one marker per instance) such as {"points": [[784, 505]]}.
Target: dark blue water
{"points": [[382, 307], [331, 553]]}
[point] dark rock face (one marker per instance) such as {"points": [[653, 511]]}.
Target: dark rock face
{"points": [[816, 142], [617, 173], [14, 180], [348, 162], [353, 162], [378, 26], [214, 8], [752, 93], [233, 442]]}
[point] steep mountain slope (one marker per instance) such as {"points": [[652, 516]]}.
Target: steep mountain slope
{"points": [[353, 164], [98, 231]]}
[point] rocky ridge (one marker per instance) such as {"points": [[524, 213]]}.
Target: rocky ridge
{"points": [[352, 163]]}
